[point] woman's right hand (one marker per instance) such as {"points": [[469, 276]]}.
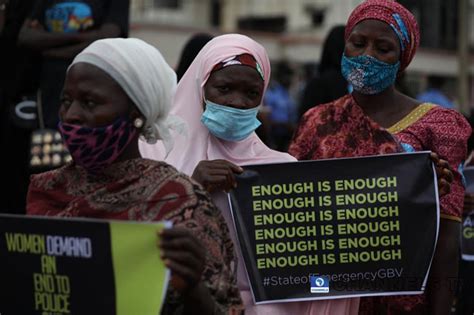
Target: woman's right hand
{"points": [[216, 175], [184, 255]]}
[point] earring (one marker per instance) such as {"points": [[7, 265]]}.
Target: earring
{"points": [[138, 123]]}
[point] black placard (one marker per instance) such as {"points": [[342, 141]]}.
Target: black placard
{"points": [[337, 228]]}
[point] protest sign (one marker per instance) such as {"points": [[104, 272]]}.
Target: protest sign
{"points": [[337, 228], [467, 239], [79, 266]]}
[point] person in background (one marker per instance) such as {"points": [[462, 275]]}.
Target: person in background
{"points": [[329, 84], [282, 110], [464, 303], [381, 38], [306, 72], [220, 108], [192, 47], [115, 91], [59, 30], [18, 79], [434, 93]]}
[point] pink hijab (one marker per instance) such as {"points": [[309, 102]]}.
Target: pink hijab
{"points": [[199, 144]]}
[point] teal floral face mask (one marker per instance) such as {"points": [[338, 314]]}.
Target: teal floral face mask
{"points": [[228, 123], [368, 75]]}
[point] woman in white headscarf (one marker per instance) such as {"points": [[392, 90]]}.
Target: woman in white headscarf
{"points": [[115, 91]]}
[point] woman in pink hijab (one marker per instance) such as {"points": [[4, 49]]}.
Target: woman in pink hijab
{"points": [[218, 97]]}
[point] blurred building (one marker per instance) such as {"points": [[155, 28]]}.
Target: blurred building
{"points": [[291, 29], [295, 29]]}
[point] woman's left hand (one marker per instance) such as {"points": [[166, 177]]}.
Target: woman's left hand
{"points": [[443, 173], [184, 255]]}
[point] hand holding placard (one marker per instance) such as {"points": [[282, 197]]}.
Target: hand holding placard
{"points": [[184, 255]]}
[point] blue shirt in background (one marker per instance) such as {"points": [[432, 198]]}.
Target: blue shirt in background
{"points": [[436, 97]]}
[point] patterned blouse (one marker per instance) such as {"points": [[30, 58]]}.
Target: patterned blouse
{"points": [[145, 190], [444, 131], [341, 129]]}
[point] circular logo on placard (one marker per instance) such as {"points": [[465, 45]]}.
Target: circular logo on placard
{"points": [[319, 282]]}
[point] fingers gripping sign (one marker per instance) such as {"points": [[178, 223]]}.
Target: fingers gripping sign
{"points": [[443, 173], [216, 175], [184, 255]]}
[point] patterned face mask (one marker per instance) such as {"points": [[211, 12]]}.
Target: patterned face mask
{"points": [[367, 74], [228, 123], [96, 148]]}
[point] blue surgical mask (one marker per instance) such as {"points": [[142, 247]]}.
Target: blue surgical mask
{"points": [[228, 123], [367, 74]]}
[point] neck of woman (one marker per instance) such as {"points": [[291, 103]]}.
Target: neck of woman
{"points": [[374, 104], [131, 152], [385, 108]]}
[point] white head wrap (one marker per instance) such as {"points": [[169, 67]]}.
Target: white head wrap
{"points": [[144, 75]]}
